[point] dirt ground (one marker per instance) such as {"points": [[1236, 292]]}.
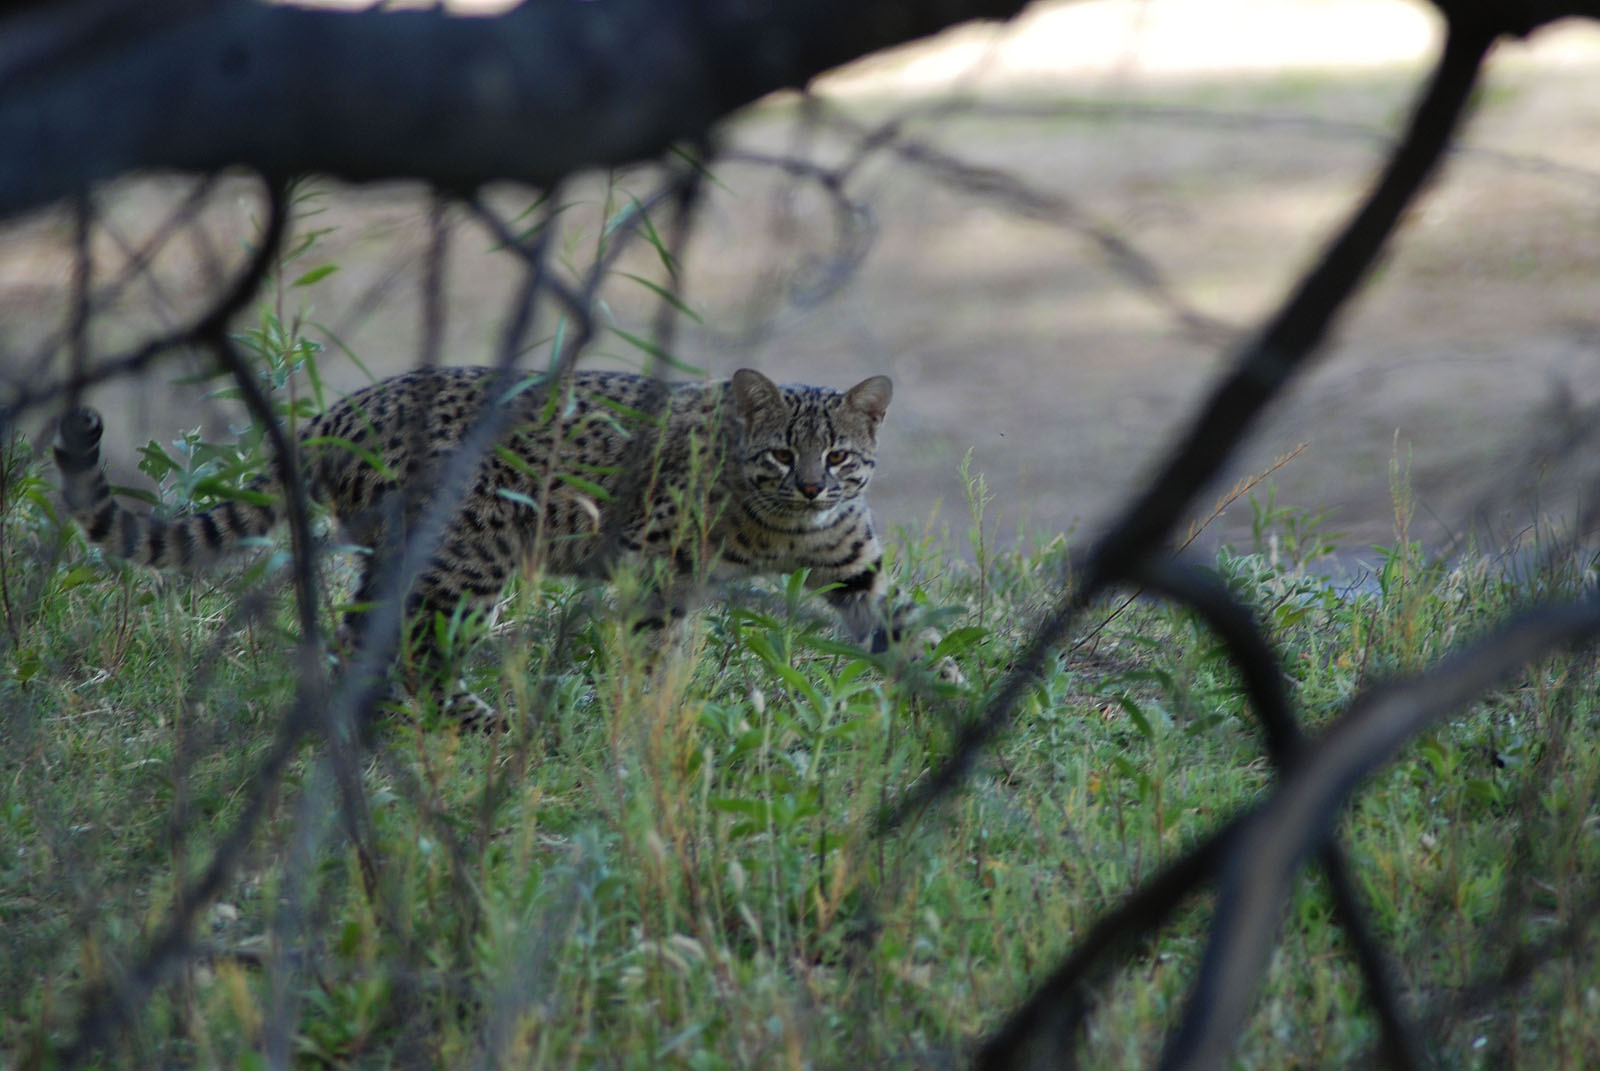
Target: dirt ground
{"points": [[1222, 142]]}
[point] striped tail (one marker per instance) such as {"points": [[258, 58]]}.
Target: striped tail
{"points": [[198, 539]]}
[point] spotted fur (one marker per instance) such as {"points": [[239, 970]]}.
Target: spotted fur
{"points": [[735, 478]]}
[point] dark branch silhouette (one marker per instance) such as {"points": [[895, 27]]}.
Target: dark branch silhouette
{"points": [[1299, 814], [533, 95]]}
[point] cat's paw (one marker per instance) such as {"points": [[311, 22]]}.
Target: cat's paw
{"points": [[461, 708], [472, 714], [908, 626], [949, 672]]}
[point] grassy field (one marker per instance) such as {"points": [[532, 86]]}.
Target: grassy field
{"points": [[683, 869], [686, 864]]}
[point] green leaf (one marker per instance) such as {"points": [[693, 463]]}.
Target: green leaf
{"points": [[678, 1040], [75, 577], [138, 494], [156, 463], [732, 805], [558, 340], [25, 664], [669, 296], [695, 162], [815, 641], [226, 491], [850, 671], [1140, 722], [1290, 614], [658, 353], [202, 453], [797, 680], [315, 275], [959, 641], [377, 463], [516, 461], [518, 497], [588, 487], [626, 413], [523, 385], [349, 938], [1437, 758], [647, 228], [205, 375], [1140, 779], [536, 227], [344, 349]]}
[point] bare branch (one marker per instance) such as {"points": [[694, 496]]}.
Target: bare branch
{"points": [[211, 324], [1262, 674], [1261, 372], [1300, 813]]}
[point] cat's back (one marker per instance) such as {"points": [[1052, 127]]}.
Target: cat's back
{"points": [[396, 430], [440, 404]]}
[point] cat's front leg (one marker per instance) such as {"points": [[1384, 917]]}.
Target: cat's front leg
{"points": [[858, 597]]}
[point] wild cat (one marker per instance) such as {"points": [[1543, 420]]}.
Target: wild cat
{"points": [[724, 479]]}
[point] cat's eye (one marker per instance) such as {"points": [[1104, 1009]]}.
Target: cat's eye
{"points": [[836, 457], [782, 457]]}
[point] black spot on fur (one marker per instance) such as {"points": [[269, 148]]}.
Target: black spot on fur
{"points": [[210, 532], [105, 515], [862, 581], [155, 542]]}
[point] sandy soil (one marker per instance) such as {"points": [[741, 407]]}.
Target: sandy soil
{"points": [[1222, 141]]}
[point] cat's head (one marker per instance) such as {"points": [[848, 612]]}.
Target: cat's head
{"points": [[806, 449]]}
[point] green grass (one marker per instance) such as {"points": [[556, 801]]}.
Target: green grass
{"points": [[682, 870], [681, 866]]}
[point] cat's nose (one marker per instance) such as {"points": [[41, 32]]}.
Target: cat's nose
{"points": [[810, 490]]}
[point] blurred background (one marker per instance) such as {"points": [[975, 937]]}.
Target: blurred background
{"points": [[1076, 217]]}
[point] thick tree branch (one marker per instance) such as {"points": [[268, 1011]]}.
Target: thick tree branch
{"points": [[543, 90], [1300, 813]]}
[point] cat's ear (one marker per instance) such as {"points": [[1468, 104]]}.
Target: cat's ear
{"points": [[753, 392], [871, 396]]}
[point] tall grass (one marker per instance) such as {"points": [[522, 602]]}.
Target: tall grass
{"points": [[679, 865], [680, 868]]}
